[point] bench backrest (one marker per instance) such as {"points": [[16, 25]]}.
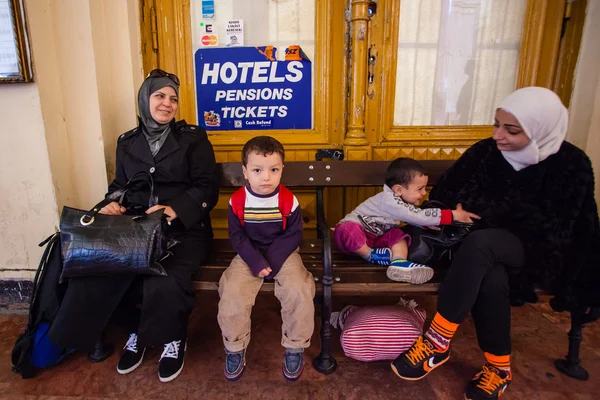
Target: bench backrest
{"points": [[330, 173]]}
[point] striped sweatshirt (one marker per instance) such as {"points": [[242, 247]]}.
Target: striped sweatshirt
{"points": [[262, 242]]}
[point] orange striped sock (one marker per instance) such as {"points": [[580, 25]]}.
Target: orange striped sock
{"points": [[500, 362], [441, 331]]}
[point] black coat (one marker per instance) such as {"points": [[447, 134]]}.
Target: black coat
{"points": [[184, 174], [549, 206]]}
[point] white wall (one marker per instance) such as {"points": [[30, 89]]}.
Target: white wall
{"points": [[584, 110], [28, 212], [115, 59], [59, 134]]}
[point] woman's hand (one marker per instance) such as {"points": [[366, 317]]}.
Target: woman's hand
{"points": [[461, 215], [265, 272], [113, 208], [169, 212]]}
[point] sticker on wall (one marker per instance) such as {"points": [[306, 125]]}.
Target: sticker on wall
{"points": [[209, 36], [294, 53], [212, 119], [235, 32], [208, 8], [247, 88]]}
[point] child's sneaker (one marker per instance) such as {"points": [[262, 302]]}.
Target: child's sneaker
{"points": [[488, 384], [235, 365], [132, 356], [381, 256], [293, 365], [422, 358], [406, 271]]}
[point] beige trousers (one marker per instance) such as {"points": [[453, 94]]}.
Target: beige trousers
{"points": [[295, 289]]}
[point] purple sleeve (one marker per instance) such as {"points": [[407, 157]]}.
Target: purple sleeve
{"points": [[284, 245], [243, 246]]}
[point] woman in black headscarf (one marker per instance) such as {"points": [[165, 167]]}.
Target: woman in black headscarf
{"points": [[182, 163]]}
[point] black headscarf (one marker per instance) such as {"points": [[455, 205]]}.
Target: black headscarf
{"points": [[155, 133]]}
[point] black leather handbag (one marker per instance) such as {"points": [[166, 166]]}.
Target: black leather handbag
{"points": [[95, 244], [429, 246]]}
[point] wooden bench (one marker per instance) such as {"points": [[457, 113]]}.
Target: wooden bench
{"points": [[339, 274]]}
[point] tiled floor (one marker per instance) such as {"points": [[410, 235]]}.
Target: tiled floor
{"points": [[539, 336]]}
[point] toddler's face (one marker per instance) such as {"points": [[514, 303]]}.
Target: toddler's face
{"points": [[263, 172], [414, 191]]}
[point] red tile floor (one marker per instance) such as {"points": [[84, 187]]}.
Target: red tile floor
{"points": [[539, 337]]}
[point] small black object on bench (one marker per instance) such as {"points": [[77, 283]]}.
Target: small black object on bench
{"points": [[338, 273]]}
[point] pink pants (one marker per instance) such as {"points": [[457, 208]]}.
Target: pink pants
{"points": [[351, 236]]}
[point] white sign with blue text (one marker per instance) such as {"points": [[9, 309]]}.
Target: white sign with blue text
{"points": [[248, 88]]}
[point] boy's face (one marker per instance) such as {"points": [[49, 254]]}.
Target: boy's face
{"points": [[263, 172], [414, 191]]}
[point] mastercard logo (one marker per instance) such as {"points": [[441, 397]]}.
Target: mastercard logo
{"points": [[209, 40]]}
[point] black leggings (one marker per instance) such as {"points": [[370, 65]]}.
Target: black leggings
{"points": [[477, 282]]}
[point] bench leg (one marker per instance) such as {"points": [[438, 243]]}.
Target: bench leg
{"points": [[325, 363], [570, 365]]}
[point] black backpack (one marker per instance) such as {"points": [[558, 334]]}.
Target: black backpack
{"points": [[32, 349]]}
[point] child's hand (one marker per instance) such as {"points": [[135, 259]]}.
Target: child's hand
{"points": [[432, 228], [461, 215], [265, 272]]}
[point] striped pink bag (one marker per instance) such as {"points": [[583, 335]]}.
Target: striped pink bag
{"points": [[374, 333]]}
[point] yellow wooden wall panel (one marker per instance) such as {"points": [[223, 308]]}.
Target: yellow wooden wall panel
{"points": [[433, 153], [393, 153], [380, 154], [357, 153], [420, 153], [407, 152], [447, 153], [221, 156], [305, 155]]}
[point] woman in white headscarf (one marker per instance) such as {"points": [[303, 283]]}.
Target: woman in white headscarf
{"points": [[539, 223]]}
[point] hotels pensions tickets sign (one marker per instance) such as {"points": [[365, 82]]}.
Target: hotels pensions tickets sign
{"points": [[247, 88]]}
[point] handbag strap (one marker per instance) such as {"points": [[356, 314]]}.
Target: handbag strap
{"points": [[50, 241], [119, 195]]}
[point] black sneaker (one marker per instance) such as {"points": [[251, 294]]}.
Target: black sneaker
{"points": [[488, 384], [293, 365], [235, 365], [170, 364], [132, 357], [422, 358]]}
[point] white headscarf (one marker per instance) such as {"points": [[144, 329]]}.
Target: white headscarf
{"points": [[544, 120]]}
